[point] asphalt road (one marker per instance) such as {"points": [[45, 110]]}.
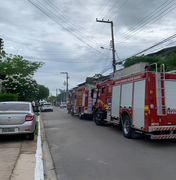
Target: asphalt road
{"points": [[83, 151]]}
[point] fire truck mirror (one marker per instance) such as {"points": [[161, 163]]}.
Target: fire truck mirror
{"points": [[92, 93]]}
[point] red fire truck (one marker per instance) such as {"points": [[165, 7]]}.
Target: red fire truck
{"points": [[141, 101], [82, 102]]}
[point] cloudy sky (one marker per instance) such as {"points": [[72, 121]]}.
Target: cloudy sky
{"points": [[65, 35]]}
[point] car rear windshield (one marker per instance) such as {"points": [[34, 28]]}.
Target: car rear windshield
{"points": [[48, 104], [14, 107]]}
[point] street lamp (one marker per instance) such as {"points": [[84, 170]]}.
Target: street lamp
{"points": [[66, 84], [104, 48]]}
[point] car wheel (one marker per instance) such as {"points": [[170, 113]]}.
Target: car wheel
{"points": [[99, 120], [126, 129], [31, 136]]}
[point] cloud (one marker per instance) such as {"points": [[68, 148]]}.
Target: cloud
{"points": [[69, 38]]}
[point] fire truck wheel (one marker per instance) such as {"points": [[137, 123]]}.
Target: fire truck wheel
{"points": [[172, 140], [99, 121], [126, 129]]}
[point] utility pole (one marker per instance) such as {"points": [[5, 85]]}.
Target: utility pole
{"points": [[56, 92], [113, 47], [66, 84]]}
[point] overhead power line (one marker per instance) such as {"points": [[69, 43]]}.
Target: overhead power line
{"points": [[65, 26], [151, 47], [148, 21]]}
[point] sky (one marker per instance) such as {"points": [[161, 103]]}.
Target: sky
{"points": [[64, 34]]}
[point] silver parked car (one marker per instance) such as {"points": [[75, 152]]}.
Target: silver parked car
{"points": [[17, 118], [47, 107]]}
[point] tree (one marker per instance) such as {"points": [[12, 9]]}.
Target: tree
{"points": [[26, 87], [43, 92], [16, 64], [143, 58], [61, 96], [169, 61], [51, 99]]}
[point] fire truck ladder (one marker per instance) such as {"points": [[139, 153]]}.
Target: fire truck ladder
{"points": [[160, 90]]}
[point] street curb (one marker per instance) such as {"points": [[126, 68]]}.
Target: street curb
{"points": [[49, 170]]}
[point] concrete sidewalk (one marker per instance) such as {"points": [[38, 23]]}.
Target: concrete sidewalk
{"points": [[17, 158]]}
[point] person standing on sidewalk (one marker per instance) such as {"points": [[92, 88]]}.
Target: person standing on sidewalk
{"points": [[37, 106], [33, 105]]}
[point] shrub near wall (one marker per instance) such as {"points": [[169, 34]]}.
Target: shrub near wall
{"points": [[8, 97]]}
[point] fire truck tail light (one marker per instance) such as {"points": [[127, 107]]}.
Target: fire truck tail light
{"points": [[167, 76], [86, 109], [151, 99], [151, 92], [154, 120]]}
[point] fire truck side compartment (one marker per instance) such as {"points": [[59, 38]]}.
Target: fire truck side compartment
{"points": [[139, 104]]}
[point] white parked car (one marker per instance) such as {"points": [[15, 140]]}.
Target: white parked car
{"points": [[63, 105], [17, 118], [42, 102], [47, 107]]}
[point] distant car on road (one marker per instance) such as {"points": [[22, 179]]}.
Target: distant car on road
{"points": [[63, 105], [47, 107], [17, 118]]}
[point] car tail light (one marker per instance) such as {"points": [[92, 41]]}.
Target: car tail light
{"points": [[43, 106], [29, 117]]}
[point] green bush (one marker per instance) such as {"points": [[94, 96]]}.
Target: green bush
{"points": [[8, 97]]}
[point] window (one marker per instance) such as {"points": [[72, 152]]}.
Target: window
{"points": [[103, 90], [14, 107]]}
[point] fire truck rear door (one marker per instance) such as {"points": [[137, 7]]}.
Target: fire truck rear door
{"points": [[138, 104]]}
